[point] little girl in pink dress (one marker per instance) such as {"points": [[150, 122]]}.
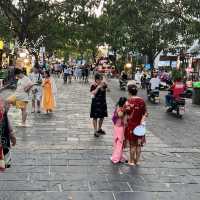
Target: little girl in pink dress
{"points": [[119, 128]]}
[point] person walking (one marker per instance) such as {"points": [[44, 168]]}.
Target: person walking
{"points": [[98, 105], [21, 97], [119, 128], [76, 73], [65, 73], [48, 95], [86, 74], [69, 74], [136, 112], [7, 136], [36, 78], [79, 73]]}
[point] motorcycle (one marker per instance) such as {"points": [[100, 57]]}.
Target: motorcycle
{"points": [[177, 106], [154, 96], [123, 84]]}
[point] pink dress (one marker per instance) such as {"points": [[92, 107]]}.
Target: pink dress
{"points": [[119, 129]]}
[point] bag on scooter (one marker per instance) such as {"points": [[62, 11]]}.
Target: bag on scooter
{"points": [[181, 102]]}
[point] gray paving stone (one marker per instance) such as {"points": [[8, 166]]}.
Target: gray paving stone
{"points": [[58, 157], [134, 195], [75, 185], [23, 186], [109, 186]]}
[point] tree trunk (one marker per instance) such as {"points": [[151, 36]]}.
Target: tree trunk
{"points": [[115, 57], [36, 58], [151, 60]]}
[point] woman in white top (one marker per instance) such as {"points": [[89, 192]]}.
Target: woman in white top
{"points": [[21, 97], [36, 78]]}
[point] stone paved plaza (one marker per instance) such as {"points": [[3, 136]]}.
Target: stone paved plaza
{"points": [[57, 157]]}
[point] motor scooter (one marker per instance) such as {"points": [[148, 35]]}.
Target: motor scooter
{"points": [[154, 96], [123, 84], [177, 106]]}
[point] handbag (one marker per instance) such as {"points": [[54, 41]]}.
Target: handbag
{"points": [[140, 130], [115, 117]]}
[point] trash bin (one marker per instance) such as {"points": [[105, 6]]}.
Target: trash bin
{"points": [[196, 93]]}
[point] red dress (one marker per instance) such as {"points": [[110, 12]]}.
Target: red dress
{"points": [[135, 108]]}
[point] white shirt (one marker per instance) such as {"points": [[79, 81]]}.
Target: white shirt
{"points": [[155, 83], [69, 71], [138, 77], [65, 71], [20, 92], [35, 78]]}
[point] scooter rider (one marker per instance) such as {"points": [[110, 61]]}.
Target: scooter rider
{"points": [[154, 83], [123, 79], [176, 89], [124, 76]]}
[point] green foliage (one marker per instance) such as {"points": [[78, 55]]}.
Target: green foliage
{"points": [[148, 27], [177, 74], [72, 27]]}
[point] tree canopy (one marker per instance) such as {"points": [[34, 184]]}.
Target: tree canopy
{"points": [[139, 26]]}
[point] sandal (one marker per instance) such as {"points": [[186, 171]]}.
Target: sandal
{"points": [[96, 134], [131, 163], [102, 132], [137, 163]]}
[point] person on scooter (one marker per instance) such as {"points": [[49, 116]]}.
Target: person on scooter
{"points": [[154, 83], [176, 89], [123, 78], [143, 81]]}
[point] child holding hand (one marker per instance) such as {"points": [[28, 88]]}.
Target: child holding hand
{"points": [[119, 128]]}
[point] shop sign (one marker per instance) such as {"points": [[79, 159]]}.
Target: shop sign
{"points": [[1, 44]]}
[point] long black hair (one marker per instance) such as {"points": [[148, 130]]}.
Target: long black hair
{"points": [[48, 73], [121, 101]]}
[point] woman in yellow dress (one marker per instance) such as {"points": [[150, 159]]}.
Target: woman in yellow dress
{"points": [[48, 98]]}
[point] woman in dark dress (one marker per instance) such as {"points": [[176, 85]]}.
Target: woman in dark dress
{"points": [[99, 105]]}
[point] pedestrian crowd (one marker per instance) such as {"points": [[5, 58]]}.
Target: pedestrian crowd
{"points": [[128, 119], [71, 72], [39, 87]]}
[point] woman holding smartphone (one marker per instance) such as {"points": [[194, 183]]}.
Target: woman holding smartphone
{"points": [[99, 104]]}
